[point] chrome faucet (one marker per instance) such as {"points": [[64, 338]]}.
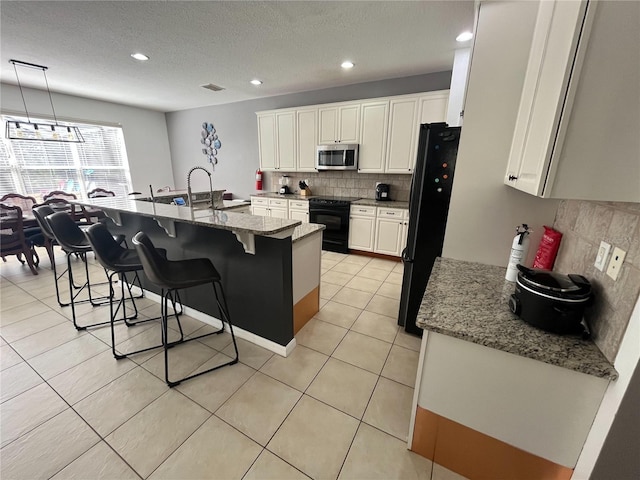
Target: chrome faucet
{"points": [[189, 199]]}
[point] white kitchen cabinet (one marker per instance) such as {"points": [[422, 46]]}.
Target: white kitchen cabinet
{"points": [[403, 128], [373, 137], [307, 139], [299, 210], [386, 130], [260, 210], [389, 231], [576, 98], [432, 107], [405, 117], [339, 123], [277, 140], [267, 141], [270, 207], [362, 224]]}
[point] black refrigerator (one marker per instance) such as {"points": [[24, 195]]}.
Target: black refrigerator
{"points": [[428, 208]]}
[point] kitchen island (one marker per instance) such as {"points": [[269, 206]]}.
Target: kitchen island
{"points": [[496, 397], [270, 267]]}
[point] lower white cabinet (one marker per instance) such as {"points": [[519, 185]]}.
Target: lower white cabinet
{"points": [[362, 224], [270, 207], [390, 231], [299, 210], [379, 230]]}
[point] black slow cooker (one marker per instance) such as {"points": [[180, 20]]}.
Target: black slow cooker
{"points": [[551, 301]]}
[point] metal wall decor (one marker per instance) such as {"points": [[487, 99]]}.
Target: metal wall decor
{"points": [[210, 143]]}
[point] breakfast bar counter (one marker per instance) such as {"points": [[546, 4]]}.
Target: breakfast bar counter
{"points": [[270, 267]]}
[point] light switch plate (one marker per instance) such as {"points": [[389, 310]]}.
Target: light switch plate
{"points": [[615, 264], [603, 255]]}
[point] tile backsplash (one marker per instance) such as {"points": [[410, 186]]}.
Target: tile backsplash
{"points": [[583, 225], [342, 184]]}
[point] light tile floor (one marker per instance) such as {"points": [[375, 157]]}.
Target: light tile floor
{"points": [[338, 407]]}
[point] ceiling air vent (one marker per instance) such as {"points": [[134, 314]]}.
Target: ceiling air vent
{"points": [[212, 87]]}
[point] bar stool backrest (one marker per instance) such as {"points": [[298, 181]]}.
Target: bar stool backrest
{"points": [[67, 233], [40, 213], [105, 248], [152, 262]]}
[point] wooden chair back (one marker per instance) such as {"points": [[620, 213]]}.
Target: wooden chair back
{"points": [[59, 194], [100, 192], [26, 203], [12, 237]]}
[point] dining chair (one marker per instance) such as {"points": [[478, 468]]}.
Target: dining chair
{"points": [[96, 213], [25, 202], [12, 238], [100, 192], [60, 204], [30, 226]]}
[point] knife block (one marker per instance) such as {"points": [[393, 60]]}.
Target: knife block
{"points": [[306, 192]]}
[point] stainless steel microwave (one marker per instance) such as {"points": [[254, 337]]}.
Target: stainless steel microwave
{"points": [[339, 156]]}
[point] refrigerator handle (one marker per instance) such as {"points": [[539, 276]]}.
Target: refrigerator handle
{"points": [[405, 257]]}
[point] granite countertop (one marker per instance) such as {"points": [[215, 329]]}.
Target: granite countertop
{"points": [[376, 203], [306, 229], [288, 196], [221, 219], [468, 300]]}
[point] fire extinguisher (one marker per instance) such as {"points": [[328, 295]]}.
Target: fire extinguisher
{"points": [[258, 179]]}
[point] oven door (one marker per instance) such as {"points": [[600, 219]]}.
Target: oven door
{"points": [[336, 236]]}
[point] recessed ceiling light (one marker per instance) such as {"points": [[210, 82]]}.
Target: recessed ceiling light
{"points": [[464, 36], [347, 64], [140, 56], [256, 82]]}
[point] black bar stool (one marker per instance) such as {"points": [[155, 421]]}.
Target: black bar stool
{"points": [[172, 276], [117, 261], [73, 241]]}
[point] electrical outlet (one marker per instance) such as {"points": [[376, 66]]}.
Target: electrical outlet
{"points": [[603, 254], [615, 264]]}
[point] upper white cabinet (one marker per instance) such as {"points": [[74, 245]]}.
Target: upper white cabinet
{"points": [[403, 128], [307, 139], [405, 116], [576, 133], [339, 124], [373, 136], [277, 140], [386, 130], [267, 140]]}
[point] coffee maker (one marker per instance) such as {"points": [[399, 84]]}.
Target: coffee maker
{"points": [[382, 191]]}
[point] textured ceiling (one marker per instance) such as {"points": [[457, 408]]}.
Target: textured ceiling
{"points": [[291, 46]]}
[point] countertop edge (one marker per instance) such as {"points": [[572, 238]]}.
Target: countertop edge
{"points": [[495, 326]]}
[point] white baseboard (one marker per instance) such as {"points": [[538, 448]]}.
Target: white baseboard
{"points": [[283, 351]]}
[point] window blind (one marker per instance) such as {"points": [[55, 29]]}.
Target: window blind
{"points": [[35, 168]]}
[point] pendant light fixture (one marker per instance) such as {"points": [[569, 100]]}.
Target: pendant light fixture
{"points": [[45, 132]]}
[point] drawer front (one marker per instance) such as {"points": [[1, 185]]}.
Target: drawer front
{"points": [[278, 202], [384, 212], [363, 210], [299, 205], [259, 201], [406, 214]]}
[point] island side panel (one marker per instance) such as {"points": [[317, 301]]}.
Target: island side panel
{"points": [[258, 287], [523, 414]]}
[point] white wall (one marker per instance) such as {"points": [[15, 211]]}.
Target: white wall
{"points": [[145, 131], [484, 212]]}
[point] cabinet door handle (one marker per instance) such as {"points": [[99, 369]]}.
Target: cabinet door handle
{"points": [[512, 178]]}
